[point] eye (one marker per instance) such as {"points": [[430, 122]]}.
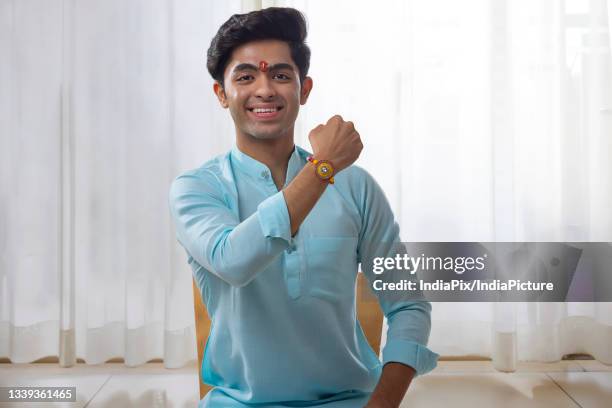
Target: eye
{"points": [[243, 78], [282, 77]]}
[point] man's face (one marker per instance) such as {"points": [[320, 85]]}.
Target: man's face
{"points": [[264, 104]]}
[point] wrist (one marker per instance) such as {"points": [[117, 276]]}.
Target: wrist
{"points": [[324, 169], [377, 402], [323, 155]]}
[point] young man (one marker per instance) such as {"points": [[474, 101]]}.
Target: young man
{"points": [[274, 238]]}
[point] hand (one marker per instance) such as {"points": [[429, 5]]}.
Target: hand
{"points": [[336, 141]]}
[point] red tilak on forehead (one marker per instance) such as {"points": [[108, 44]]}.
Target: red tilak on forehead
{"points": [[263, 66]]}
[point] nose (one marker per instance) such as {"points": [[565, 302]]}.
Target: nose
{"points": [[265, 88]]}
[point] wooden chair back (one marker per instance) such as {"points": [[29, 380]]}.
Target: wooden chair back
{"points": [[368, 312]]}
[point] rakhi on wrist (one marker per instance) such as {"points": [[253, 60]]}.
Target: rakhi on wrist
{"points": [[324, 169]]}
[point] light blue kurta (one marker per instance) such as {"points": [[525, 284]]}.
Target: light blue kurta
{"points": [[284, 329]]}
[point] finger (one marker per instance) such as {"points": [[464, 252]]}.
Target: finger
{"points": [[317, 128], [335, 118]]}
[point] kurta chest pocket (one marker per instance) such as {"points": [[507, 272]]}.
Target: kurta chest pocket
{"points": [[331, 267]]}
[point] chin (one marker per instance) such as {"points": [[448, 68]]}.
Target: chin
{"points": [[267, 135]]}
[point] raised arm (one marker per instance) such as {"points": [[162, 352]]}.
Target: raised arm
{"points": [[237, 251], [336, 141]]}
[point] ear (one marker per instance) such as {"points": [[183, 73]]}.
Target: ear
{"points": [[220, 92], [305, 91]]}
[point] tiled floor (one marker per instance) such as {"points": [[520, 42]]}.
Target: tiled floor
{"points": [[109, 385], [459, 384]]}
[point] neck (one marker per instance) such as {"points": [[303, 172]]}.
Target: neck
{"points": [[274, 153]]}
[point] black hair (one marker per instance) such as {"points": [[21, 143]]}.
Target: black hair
{"points": [[273, 23]]}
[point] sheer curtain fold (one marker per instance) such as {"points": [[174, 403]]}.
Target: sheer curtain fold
{"points": [[105, 103]]}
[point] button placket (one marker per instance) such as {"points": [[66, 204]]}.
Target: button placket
{"points": [[293, 271], [266, 176]]}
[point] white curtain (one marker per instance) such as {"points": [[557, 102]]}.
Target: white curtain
{"points": [[102, 103], [483, 120]]}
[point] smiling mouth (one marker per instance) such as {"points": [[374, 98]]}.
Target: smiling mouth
{"points": [[265, 113], [265, 110]]}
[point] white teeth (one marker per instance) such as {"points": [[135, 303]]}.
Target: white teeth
{"points": [[264, 110]]}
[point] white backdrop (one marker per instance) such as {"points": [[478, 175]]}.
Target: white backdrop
{"points": [[102, 103], [483, 120]]}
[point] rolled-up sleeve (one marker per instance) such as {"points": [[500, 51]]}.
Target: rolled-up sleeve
{"points": [[409, 320], [274, 218], [210, 230], [404, 348]]}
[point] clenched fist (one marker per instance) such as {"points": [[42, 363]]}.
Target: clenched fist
{"points": [[336, 141]]}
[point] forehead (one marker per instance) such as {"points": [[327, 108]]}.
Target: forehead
{"points": [[271, 51]]}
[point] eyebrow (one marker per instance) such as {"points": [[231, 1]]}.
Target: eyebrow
{"points": [[251, 67]]}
